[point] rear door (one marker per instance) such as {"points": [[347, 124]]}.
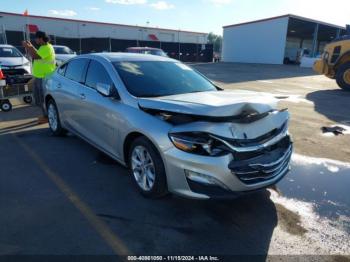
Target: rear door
{"points": [[67, 95]]}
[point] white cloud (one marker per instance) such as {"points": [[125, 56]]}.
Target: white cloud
{"points": [[322, 12], [127, 2], [162, 5], [63, 12], [220, 2], [93, 8]]}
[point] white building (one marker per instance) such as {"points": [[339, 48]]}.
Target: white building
{"points": [[276, 40]]}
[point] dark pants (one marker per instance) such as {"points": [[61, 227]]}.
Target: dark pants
{"points": [[38, 93]]}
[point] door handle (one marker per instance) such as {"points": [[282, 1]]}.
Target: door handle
{"points": [[82, 96], [59, 86]]}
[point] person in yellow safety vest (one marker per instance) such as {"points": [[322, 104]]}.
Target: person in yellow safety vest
{"points": [[44, 64]]}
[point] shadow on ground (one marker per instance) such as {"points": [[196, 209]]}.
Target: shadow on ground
{"points": [[324, 102], [168, 226], [229, 73], [20, 113]]}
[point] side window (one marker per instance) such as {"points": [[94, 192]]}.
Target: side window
{"points": [[62, 69], [97, 74], [76, 69]]}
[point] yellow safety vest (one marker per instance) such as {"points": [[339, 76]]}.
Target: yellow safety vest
{"points": [[47, 64]]}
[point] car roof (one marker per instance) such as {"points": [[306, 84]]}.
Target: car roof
{"points": [[60, 46], [123, 57]]}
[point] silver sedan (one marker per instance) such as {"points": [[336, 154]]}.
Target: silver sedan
{"points": [[174, 129]]}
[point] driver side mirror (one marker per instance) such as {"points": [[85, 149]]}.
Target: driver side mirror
{"points": [[107, 90]]}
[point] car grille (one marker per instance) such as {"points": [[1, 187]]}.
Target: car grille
{"points": [[259, 140], [14, 71], [262, 165]]}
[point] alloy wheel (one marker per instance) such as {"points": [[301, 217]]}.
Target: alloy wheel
{"points": [[143, 168], [52, 115]]}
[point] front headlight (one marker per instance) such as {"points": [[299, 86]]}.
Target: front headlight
{"points": [[26, 64], [198, 143]]}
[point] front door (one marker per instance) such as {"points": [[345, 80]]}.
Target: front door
{"points": [[99, 115]]}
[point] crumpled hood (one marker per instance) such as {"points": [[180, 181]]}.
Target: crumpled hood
{"points": [[213, 103], [13, 61]]}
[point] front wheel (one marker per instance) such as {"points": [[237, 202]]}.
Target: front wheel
{"points": [[343, 76], [147, 168], [54, 119], [6, 105]]}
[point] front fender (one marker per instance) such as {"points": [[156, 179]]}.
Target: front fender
{"points": [[152, 127]]}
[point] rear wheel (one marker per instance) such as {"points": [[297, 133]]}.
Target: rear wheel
{"points": [[6, 105], [147, 168], [54, 119], [343, 76]]}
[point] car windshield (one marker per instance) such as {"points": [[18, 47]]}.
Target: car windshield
{"points": [[63, 50], [9, 52], [156, 78]]}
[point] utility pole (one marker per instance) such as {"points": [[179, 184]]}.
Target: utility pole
{"points": [[79, 35], [78, 30], [179, 44], [5, 37], [314, 41]]}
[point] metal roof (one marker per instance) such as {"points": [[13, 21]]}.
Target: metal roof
{"points": [[100, 23], [286, 16]]}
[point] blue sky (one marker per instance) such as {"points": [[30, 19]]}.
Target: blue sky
{"points": [[195, 15]]}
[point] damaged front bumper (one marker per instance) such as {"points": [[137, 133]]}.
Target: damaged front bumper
{"points": [[202, 177], [251, 164]]}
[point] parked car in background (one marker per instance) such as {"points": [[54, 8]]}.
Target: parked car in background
{"points": [[174, 129], [147, 51], [13, 62], [294, 55], [63, 53]]}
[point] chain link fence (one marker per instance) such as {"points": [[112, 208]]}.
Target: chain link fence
{"points": [[186, 52]]}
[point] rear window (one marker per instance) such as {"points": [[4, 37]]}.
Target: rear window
{"points": [[62, 69], [76, 69]]}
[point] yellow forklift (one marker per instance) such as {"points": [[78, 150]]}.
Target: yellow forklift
{"points": [[335, 61]]}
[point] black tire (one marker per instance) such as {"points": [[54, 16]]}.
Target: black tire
{"points": [[27, 99], [6, 105], [159, 188], [343, 81], [55, 127]]}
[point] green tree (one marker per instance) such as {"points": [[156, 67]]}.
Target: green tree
{"points": [[216, 40]]}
